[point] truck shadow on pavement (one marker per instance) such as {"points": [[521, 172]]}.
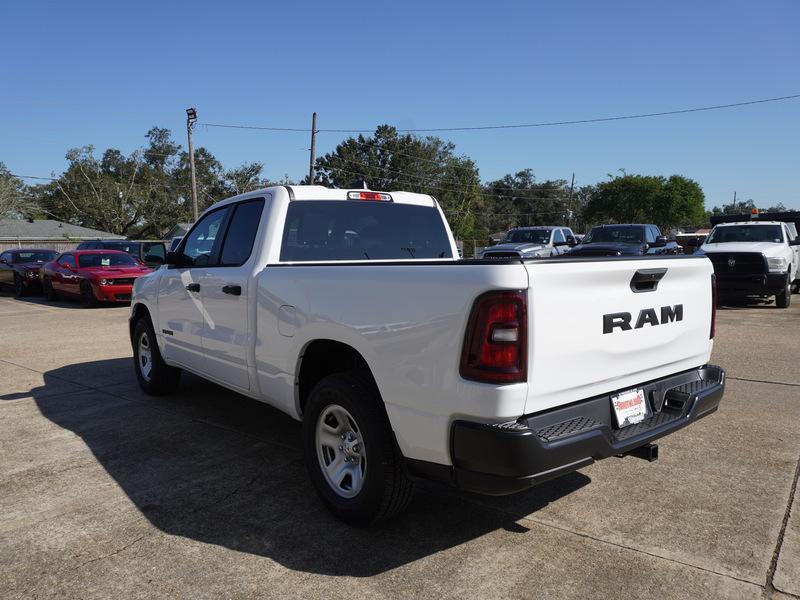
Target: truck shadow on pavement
{"points": [[219, 468]]}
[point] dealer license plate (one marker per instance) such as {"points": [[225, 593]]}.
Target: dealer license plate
{"points": [[629, 407]]}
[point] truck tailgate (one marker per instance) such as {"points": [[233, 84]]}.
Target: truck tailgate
{"points": [[590, 333]]}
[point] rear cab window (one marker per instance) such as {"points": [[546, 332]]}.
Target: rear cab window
{"points": [[334, 230]]}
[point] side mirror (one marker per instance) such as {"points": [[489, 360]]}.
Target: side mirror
{"points": [[571, 241], [561, 243], [3, 261], [795, 242], [153, 259], [660, 242], [175, 259]]}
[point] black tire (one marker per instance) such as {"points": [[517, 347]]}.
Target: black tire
{"points": [[784, 299], [386, 489], [49, 293], [161, 379], [88, 298], [19, 287]]}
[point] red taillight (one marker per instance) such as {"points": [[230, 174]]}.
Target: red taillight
{"points": [[713, 306], [495, 343], [372, 196]]}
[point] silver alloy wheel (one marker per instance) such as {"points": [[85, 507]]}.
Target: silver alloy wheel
{"points": [[340, 451], [145, 359]]}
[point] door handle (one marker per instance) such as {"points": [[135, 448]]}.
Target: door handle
{"points": [[646, 280], [233, 290], [193, 287]]}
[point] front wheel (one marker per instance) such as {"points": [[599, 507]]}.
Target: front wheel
{"points": [[155, 376], [350, 453], [88, 298], [784, 299], [19, 287]]}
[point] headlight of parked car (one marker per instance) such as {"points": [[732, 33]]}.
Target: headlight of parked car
{"points": [[33, 274], [105, 281], [777, 264]]}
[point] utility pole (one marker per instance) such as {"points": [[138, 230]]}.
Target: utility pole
{"points": [[311, 157], [569, 204], [734, 201], [191, 119]]}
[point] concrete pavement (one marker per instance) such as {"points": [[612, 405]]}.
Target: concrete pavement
{"points": [[107, 492]]}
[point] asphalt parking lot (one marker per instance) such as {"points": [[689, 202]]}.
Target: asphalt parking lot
{"points": [[105, 492]]}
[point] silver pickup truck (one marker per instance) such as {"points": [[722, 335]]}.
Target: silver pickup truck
{"points": [[531, 242]]}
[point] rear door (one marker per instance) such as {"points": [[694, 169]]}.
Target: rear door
{"points": [[600, 325], [224, 293], [181, 317]]}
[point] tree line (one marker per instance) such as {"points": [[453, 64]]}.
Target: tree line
{"points": [[143, 194]]}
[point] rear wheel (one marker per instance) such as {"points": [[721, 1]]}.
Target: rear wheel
{"points": [[350, 452], [784, 299], [19, 287], [88, 298], [49, 292], [155, 376]]}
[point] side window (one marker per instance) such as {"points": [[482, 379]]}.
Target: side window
{"points": [[202, 240], [558, 236], [242, 232], [154, 249], [67, 260], [649, 234]]}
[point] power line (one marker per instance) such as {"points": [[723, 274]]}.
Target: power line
{"points": [[462, 191], [524, 125]]}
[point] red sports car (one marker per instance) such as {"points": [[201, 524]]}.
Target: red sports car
{"points": [[20, 268], [92, 275]]}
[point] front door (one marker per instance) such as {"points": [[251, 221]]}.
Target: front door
{"points": [[6, 273], [66, 278], [224, 291], [181, 316]]}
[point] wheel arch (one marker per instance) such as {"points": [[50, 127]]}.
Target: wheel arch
{"points": [[322, 357], [138, 311]]}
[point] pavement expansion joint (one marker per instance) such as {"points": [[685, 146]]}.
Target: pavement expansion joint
{"points": [[610, 543], [779, 544], [764, 381]]}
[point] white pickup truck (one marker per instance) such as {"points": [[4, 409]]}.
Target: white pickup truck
{"points": [[755, 258], [350, 311]]}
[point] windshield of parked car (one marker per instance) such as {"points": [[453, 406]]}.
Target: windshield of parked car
{"points": [[32, 257], [106, 259], [527, 236], [357, 230], [615, 234], [129, 247], [746, 233]]}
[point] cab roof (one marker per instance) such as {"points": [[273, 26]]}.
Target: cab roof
{"points": [[319, 192], [753, 222]]}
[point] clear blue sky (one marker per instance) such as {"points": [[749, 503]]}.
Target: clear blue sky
{"points": [[102, 73]]}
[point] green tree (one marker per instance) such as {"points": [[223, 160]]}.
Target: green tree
{"points": [[389, 161], [517, 200], [667, 202], [142, 194], [15, 197]]}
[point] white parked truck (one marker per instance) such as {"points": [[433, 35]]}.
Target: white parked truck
{"points": [[350, 311], [755, 258]]}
